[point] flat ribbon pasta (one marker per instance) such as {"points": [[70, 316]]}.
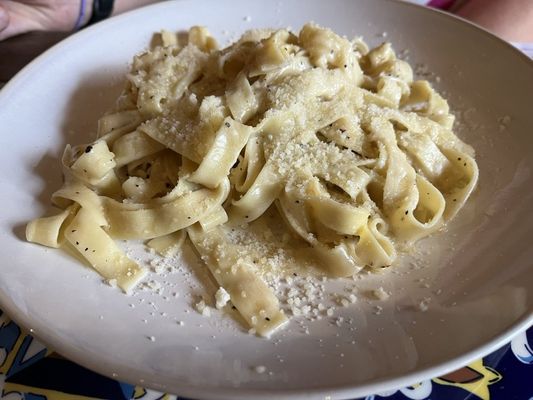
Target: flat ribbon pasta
{"points": [[335, 143], [141, 221], [249, 294]]}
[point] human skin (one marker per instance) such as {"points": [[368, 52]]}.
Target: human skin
{"points": [[510, 19], [21, 16]]}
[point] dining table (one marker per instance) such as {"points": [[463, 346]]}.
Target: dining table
{"points": [[30, 370]]}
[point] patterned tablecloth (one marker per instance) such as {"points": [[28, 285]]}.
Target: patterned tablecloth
{"points": [[30, 371]]}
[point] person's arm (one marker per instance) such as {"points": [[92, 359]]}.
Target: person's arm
{"points": [[510, 19], [21, 16]]}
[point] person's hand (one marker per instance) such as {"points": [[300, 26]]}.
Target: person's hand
{"points": [[22, 16]]}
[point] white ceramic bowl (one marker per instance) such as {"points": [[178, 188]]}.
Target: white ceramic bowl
{"points": [[479, 272]]}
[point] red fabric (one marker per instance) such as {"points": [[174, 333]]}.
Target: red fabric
{"points": [[442, 4]]}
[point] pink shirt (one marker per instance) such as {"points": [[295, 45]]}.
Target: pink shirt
{"points": [[527, 48], [442, 4]]}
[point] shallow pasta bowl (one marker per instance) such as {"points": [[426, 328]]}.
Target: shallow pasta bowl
{"points": [[475, 278]]}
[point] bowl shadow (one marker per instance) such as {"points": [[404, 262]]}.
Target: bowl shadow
{"points": [[95, 94]]}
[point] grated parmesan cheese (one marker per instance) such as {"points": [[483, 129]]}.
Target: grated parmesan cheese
{"points": [[202, 308], [380, 294], [221, 297], [260, 369], [112, 283]]}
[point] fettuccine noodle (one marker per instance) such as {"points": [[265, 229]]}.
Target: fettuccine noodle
{"points": [[339, 142]]}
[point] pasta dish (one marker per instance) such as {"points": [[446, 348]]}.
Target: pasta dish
{"points": [[333, 148]]}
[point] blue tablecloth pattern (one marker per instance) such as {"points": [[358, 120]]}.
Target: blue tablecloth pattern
{"points": [[30, 371]]}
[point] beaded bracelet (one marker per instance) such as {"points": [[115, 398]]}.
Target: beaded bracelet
{"points": [[81, 14], [102, 9]]}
